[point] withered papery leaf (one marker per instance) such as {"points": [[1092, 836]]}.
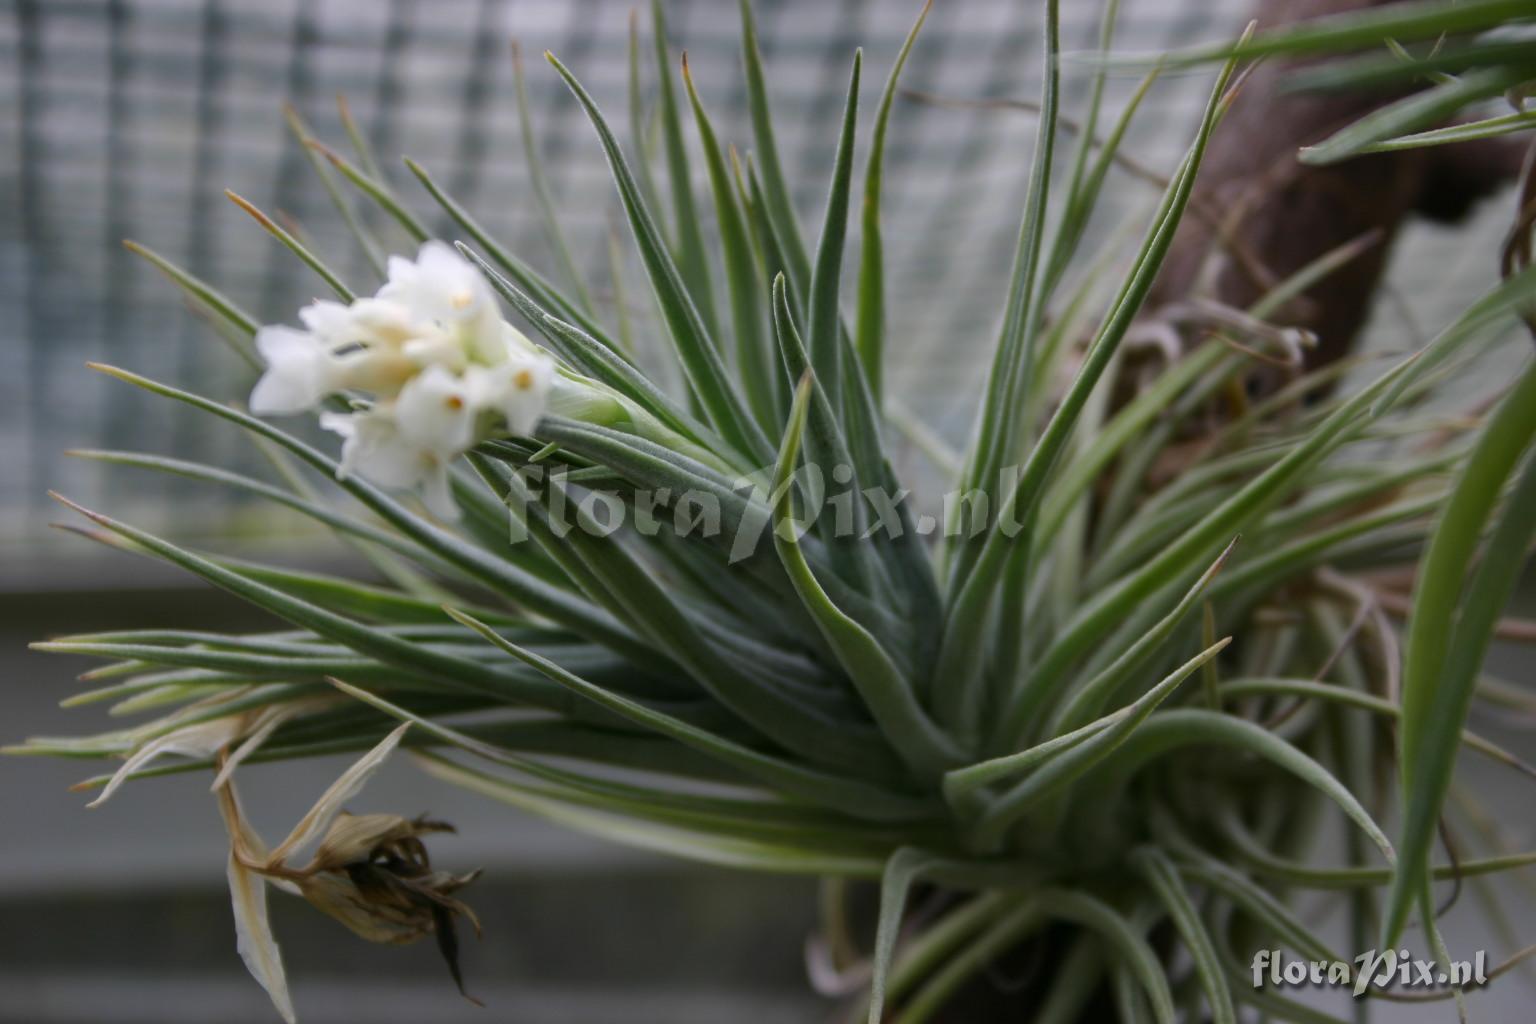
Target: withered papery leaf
{"points": [[260, 729], [205, 739], [201, 740], [248, 892], [343, 789]]}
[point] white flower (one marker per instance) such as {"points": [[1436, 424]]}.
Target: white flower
{"points": [[365, 346], [518, 388], [437, 410], [433, 354], [330, 322], [525, 389], [448, 291], [300, 372], [373, 341], [377, 450]]}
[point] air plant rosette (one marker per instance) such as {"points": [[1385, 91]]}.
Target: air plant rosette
{"points": [[1113, 708]]}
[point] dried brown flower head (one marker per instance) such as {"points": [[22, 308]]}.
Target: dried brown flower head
{"points": [[371, 872]]}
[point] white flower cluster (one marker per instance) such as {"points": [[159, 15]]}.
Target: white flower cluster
{"points": [[431, 352]]}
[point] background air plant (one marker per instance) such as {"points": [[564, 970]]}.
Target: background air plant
{"points": [[1109, 709]]}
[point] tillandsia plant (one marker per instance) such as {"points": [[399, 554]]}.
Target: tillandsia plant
{"points": [[1110, 705]]}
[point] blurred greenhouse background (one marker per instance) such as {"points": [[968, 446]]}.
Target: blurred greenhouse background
{"points": [[128, 118]]}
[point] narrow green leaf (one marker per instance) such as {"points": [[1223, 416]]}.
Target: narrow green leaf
{"points": [[1262, 905], [1414, 112], [450, 669], [1083, 183], [1453, 616], [1000, 432], [640, 138], [755, 364], [1061, 770], [904, 868], [960, 783], [1113, 604], [823, 320], [1399, 67], [637, 596], [242, 324], [870, 340], [778, 204], [293, 245], [976, 588], [1486, 128], [744, 817], [1005, 933], [703, 846], [855, 798], [391, 566], [1271, 687], [1098, 916], [1183, 727], [1160, 873], [359, 600], [376, 190], [1078, 979], [359, 140], [889, 697], [826, 449], [1352, 30], [697, 352], [496, 573], [541, 290], [548, 214], [212, 474], [692, 257], [365, 239], [620, 296], [934, 945]]}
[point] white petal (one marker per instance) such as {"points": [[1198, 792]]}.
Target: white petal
{"points": [[314, 824], [527, 394], [427, 284], [342, 423], [381, 452], [331, 322], [401, 272], [248, 895], [436, 348], [379, 321], [486, 386], [297, 374], [279, 343], [435, 411], [444, 288], [438, 495], [374, 448], [441, 261], [516, 341]]}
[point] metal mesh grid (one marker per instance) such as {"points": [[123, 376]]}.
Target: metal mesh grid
{"points": [[126, 118]]}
